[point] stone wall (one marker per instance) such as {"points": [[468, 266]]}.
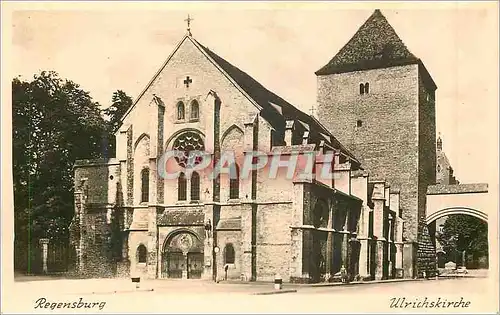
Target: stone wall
{"points": [[97, 188], [273, 241], [388, 115]]}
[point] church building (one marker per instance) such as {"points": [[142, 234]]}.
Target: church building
{"points": [[376, 103]]}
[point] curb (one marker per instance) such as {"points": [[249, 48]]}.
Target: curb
{"points": [[275, 292], [362, 282], [123, 291]]}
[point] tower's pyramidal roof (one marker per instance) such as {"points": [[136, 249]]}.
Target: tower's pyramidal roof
{"points": [[374, 45]]}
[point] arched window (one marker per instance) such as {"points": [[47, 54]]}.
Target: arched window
{"points": [[367, 88], [195, 186], [185, 143], [142, 254], [229, 254], [234, 182], [195, 110], [145, 185], [361, 88], [180, 111], [182, 187]]}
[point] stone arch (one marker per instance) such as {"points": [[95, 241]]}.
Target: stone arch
{"points": [[457, 210], [182, 255], [144, 136], [141, 253], [170, 237], [233, 129], [170, 140], [140, 161]]}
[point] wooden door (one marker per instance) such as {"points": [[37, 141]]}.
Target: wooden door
{"points": [[175, 264], [195, 265]]}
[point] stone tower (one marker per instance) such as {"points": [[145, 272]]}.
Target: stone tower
{"points": [[378, 99]]}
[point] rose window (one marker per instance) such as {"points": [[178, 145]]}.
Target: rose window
{"points": [[186, 143]]}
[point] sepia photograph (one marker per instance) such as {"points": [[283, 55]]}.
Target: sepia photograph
{"points": [[239, 157]]}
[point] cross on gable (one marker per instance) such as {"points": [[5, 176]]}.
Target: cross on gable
{"points": [[187, 81], [188, 20]]}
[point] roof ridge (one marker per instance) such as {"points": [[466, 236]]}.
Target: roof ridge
{"points": [[375, 44]]}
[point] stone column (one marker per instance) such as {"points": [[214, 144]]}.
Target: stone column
{"points": [[345, 243], [390, 243], [246, 239], [77, 233], [152, 261], [363, 258], [297, 237], [208, 271], [398, 242], [329, 255], [45, 249], [378, 227]]}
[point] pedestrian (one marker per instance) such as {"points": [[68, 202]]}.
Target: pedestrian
{"points": [[343, 274]]}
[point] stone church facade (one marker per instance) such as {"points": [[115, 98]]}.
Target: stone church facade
{"points": [[131, 220]]}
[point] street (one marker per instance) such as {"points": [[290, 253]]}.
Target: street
{"points": [[205, 296]]}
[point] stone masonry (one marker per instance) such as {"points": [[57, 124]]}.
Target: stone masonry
{"points": [[131, 220]]}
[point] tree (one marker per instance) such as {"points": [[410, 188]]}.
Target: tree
{"points": [[466, 234], [121, 102], [55, 123]]}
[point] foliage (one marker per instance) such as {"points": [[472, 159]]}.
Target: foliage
{"points": [[464, 233], [55, 123], [121, 102]]}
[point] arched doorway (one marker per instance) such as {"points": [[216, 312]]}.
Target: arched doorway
{"points": [[182, 256], [461, 238]]}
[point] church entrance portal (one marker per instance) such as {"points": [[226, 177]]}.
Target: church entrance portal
{"points": [[182, 257]]}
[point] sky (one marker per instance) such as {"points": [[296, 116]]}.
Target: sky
{"points": [[122, 45]]}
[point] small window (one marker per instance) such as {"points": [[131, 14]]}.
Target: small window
{"points": [[145, 185], [367, 88], [359, 123], [439, 168], [195, 187], [195, 110], [182, 187], [229, 254], [180, 111], [142, 254], [361, 89], [234, 182]]}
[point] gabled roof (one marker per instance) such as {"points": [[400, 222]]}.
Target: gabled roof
{"points": [[269, 100], [375, 45], [265, 100]]}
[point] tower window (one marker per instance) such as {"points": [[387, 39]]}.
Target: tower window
{"points": [[182, 187], [195, 187], [234, 183], [367, 88], [195, 110], [361, 88], [145, 185], [359, 123], [180, 111]]}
